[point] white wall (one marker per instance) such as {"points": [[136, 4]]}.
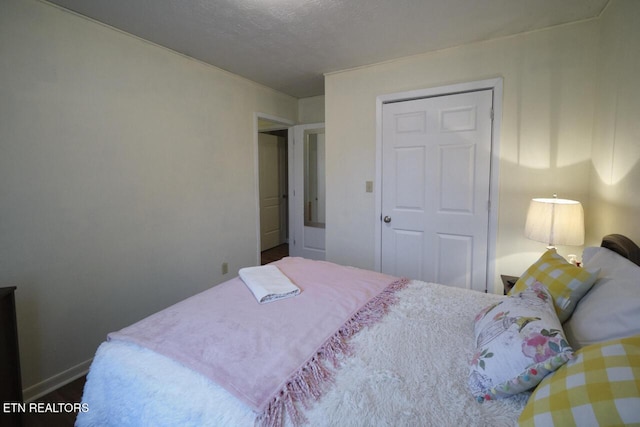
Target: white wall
{"points": [[311, 110], [615, 177], [545, 146], [126, 180]]}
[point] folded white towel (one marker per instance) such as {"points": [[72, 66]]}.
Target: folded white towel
{"points": [[267, 283]]}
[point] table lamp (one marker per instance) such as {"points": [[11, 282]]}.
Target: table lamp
{"points": [[556, 222]]}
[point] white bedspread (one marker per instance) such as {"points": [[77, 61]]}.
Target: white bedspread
{"points": [[408, 369]]}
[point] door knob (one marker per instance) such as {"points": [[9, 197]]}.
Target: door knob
{"points": [[387, 219]]}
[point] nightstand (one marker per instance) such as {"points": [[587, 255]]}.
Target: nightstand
{"points": [[508, 282]]}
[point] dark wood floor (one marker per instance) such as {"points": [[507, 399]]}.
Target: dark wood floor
{"points": [[70, 393], [274, 254]]}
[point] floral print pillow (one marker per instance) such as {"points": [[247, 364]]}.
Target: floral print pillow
{"points": [[518, 342]]}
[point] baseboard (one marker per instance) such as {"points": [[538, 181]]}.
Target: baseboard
{"points": [[47, 386]]}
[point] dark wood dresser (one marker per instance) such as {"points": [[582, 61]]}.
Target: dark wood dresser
{"points": [[10, 381]]}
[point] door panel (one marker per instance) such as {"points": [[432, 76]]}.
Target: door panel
{"points": [[409, 188], [408, 252], [460, 249], [436, 155], [457, 171]]}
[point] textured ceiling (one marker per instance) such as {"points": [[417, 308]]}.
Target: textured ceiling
{"points": [[288, 44]]}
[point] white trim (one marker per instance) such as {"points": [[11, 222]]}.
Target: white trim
{"points": [[492, 84], [50, 384], [378, 186], [286, 123], [291, 138], [494, 184]]}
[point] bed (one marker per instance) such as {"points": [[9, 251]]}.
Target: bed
{"points": [[407, 352]]}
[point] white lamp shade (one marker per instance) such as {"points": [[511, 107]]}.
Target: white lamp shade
{"points": [[555, 221]]}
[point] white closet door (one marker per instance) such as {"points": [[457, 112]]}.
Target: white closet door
{"points": [[435, 188]]}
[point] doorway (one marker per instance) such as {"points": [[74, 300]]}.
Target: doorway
{"points": [[437, 175], [272, 187], [299, 191]]}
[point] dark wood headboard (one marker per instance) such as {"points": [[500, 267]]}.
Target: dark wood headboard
{"points": [[622, 245]]}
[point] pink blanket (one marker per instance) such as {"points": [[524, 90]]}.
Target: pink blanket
{"points": [[269, 356]]}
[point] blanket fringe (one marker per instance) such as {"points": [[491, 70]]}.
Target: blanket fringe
{"points": [[307, 383]]}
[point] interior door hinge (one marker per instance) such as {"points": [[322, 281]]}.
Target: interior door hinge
{"points": [[491, 114]]}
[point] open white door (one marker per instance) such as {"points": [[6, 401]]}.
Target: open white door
{"points": [[307, 191]]}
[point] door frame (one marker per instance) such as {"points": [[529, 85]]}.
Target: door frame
{"points": [[279, 124], [495, 85]]}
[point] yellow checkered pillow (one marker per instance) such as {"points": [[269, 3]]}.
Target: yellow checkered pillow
{"points": [[600, 387], [566, 282]]}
